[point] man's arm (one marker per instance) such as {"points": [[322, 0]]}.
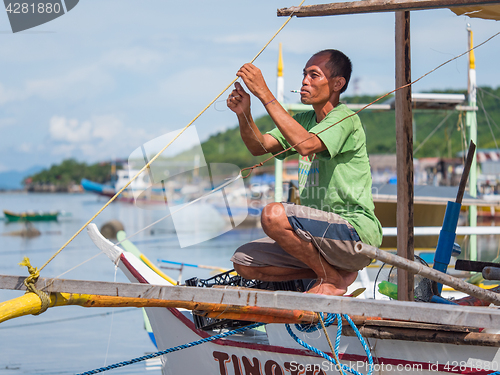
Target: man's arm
{"points": [[256, 142], [306, 143]]}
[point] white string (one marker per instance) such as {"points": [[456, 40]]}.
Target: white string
{"points": [[487, 120], [256, 137], [320, 256], [147, 227], [71, 269], [432, 132], [181, 208], [111, 325]]}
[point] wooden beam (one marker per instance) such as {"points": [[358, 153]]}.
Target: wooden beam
{"points": [[404, 153], [429, 273], [376, 6], [480, 317], [422, 335]]}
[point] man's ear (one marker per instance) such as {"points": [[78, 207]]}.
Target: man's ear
{"points": [[339, 83]]}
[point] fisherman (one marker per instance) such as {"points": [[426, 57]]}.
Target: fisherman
{"points": [[316, 239]]}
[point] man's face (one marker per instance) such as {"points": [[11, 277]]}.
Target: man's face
{"points": [[317, 86]]}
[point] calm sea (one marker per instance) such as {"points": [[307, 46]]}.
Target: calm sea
{"points": [[72, 339]]}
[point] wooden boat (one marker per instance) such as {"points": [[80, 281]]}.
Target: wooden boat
{"points": [[433, 338], [403, 337], [30, 216], [397, 346]]}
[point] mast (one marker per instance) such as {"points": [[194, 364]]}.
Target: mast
{"points": [[404, 151], [471, 123], [278, 164]]}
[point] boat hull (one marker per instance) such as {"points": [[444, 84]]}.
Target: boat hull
{"points": [[397, 347], [282, 355], [29, 216]]}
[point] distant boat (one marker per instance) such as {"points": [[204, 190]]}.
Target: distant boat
{"points": [[30, 216], [142, 187], [97, 188]]}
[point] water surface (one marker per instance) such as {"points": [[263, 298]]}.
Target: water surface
{"points": [[72, 339]]}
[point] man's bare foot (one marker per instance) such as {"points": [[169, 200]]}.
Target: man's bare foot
{"points": [[336, 288]]}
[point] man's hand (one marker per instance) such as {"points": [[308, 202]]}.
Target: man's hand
{"points": [[239, 101], [254, 80]]}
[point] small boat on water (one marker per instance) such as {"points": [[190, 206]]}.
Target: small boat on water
{"points": [[30, 216]]}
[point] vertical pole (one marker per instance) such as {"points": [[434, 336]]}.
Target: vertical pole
{"points": [[404, 144], [471, 123], [278, 164]]}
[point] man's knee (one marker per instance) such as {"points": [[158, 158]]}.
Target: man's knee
{"points": [[246, 271], [272, 214], [239, 268]]}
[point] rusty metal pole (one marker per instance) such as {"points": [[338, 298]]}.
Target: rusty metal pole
{"points": [[404, 147]]}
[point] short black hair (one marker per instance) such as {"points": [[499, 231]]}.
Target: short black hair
{"points": [[338, 64]]}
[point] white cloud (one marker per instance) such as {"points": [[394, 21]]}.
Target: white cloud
{"points": [[97, 138], [25, 147], [69, 130], [8, 121], [77, 83], [107, 127], [64, 150]]}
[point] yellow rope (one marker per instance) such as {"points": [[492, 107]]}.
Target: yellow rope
{"points": [[30, 285], [341, 370], [164, 148]]}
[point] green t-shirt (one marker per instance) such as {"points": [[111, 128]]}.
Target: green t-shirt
{"points": [[339, 178]]}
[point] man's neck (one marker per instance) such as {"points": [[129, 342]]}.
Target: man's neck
{"points": [[323, 109]]}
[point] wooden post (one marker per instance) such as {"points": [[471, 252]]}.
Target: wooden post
{"points": [[404, 145]]}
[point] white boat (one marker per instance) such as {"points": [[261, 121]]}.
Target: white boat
{"points": [[397, 347], [401, 337]]}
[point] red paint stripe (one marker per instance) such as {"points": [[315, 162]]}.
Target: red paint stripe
{"points": [[303, 352], [132, 270], [343, 356]]}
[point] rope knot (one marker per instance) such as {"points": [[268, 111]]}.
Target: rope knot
{"points": [[30, 281]]}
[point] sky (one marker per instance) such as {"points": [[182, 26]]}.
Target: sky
{"points": [[111, 75]]}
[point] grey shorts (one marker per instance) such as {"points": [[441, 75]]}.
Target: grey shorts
{"points": [[332, 235]]}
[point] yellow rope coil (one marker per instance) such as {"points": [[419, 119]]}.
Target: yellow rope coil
{"points": [[30, 285]]}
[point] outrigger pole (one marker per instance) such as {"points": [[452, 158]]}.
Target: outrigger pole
{"points": [[257, 302]]}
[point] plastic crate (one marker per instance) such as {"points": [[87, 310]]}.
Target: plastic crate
{"points": [[226, 278]]}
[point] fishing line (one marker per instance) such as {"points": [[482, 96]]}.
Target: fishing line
{"points": [[432, 132], [164, 148], [487, 120], [487, 92], [71, 269], [220, 187], [255, 134], [463, 142], [147, 227], [250, 169], [110, 325]]}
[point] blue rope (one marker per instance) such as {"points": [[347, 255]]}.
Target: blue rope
{"points": [[329, 321], [174, 349], [303, 328]]}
